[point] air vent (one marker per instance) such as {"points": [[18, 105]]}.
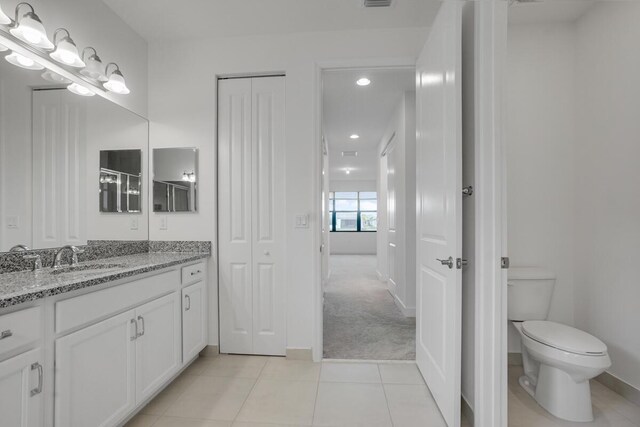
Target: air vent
{"points": [[377, 3], [349, 154]]}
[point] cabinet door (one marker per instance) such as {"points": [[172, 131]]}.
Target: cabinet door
{"points": [[21, 390], [95, 373], [158, 344], [194, 320]]}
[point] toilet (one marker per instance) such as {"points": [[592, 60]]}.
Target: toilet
{"points": [[558, 360]]}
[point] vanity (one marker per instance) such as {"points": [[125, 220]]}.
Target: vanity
{"points": [[90, 346]]}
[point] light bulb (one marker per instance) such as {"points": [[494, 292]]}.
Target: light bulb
{"points": [[80, 90], [363, 81], [354, 136], [24, 61]]}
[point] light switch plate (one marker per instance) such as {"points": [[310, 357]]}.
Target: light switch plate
{"points": [[163, 223], [13, 222], [302, 221], [133, 223]]}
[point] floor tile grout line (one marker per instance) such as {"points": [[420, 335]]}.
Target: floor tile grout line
{"points": [[250, 391], [315, 401], [386, 399]]}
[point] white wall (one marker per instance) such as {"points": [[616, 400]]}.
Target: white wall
{"points": [[607, 214], [345, 242], [182, 108], [398, 185], [540, 157]]}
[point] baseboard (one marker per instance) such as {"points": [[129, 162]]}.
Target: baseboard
{"points": [[467, 411], [210, 351], [407, 311], [299, 354], [514, 359], [624, 389]]}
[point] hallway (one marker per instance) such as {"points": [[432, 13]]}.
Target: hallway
{"points": [[361, 320]]}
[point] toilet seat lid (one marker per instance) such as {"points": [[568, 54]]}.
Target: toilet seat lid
{"points": [[564, 337]]}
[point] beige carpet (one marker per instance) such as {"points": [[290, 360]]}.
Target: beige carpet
{"points": [[361, 320]]}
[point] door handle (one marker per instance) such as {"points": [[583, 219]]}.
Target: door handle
{"points": [[134, 322], [187, 298], [38, 389], [6, 334], [141, 319], [448, 262]]}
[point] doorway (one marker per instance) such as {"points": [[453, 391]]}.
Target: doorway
{"points": [[369, 181]]}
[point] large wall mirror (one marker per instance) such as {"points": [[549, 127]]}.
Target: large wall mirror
{"points": [[58, 151], [175, 179]]}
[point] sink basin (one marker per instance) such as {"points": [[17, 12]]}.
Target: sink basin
{"points": [[87, 268]]}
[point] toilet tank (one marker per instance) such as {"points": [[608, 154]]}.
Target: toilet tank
{"points": [[529, 291]]}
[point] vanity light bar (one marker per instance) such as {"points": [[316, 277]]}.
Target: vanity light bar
{"points": [[27, 31]]}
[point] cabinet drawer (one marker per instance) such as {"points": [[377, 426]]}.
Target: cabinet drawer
{"points": [[93, 306], [193, 273], [19, 328]]}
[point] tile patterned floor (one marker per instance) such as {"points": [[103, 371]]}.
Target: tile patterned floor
{"points": [[609, 409], [248, 391]]}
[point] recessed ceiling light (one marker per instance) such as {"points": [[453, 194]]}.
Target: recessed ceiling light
{"points": [[354, 136], [347, 171], [363, 81]]}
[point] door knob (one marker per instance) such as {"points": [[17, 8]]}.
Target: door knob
{"points": [[448, 262]]}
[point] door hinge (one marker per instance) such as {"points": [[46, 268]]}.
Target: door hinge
{"points": [[461, 262], [504, 262], [467, 191]]}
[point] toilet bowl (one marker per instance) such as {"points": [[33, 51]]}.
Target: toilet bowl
{"points": [[558, 360], [558, 363]]}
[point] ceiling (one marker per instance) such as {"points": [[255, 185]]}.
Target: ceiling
{"points": [[548, 11], [366, 111], [158, 20]]}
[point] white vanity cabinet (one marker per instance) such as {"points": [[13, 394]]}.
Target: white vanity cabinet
{"points": [[95, 373], [21, 380], [157, 344], [105, 370], [194, 320], [93, 357]]}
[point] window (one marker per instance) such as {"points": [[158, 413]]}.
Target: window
{"points": [[353, 211]]}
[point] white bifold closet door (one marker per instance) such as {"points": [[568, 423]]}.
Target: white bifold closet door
{"points": [[59, 169], [251, 215]]}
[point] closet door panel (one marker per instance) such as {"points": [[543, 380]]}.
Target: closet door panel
{"points": [[235, 215], [268, 216]]}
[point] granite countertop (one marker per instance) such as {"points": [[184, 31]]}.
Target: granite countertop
{"points": [[24, 286]]}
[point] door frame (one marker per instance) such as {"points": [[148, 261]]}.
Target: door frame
{"points": [[490, 349], [319, 67]]}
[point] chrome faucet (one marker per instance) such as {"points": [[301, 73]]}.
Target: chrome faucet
{"points": [[19, 248], [57, 262]]}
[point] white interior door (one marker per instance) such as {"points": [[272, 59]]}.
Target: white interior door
{"points": [[251, 186], [268, 193], [439, 222]]}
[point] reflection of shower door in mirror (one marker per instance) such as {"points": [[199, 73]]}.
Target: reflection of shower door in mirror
{"points": [[251, 215], [59, 177]]}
